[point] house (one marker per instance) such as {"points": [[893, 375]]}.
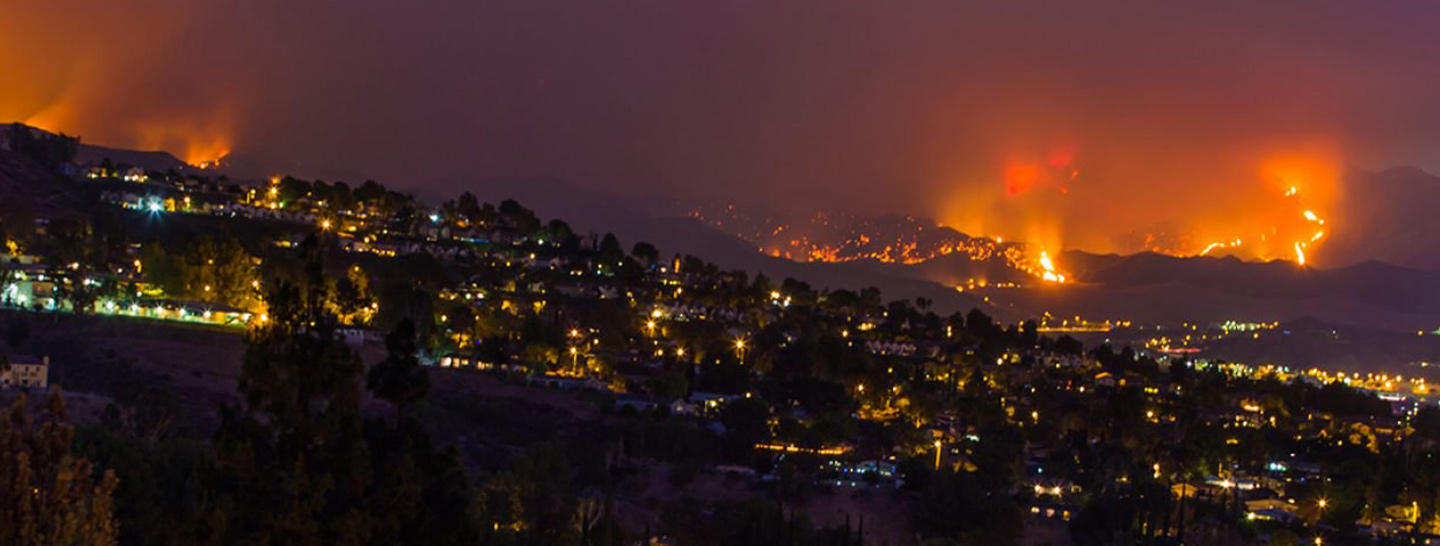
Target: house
{"points": [[895, 348], [709, 403], [1272, 509], [26, 372], [635, 404], [356, 337]]}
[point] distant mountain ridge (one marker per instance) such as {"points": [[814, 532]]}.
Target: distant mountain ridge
{"points": [[1143, 287], [158, 161], [1146, 287], [1389, 216]]}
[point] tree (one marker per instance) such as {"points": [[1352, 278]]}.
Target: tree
{"points": [[558, 233], [1029, 334], [407, 301], [49, 150], [468, 207], [210, 270], [219, 271], [164, 496], [48, 496], [371, 192], [645, 252], [17, 227], [291, 456], [295, 461], [518, 217], [351, 300], [746, 423], [958, 506], [399, 379], [610, 250], [1069, 346], [670, 385]]}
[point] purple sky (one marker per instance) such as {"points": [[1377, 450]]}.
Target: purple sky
{"points": [[915, 107]]}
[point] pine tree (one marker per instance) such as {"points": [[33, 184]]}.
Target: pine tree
{"points": [[48, 496], [292, 456], [399, 379], [300, 465]]}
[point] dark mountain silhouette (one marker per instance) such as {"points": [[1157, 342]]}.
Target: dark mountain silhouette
{"points": [[1389, 216], [157, 161], [1145, 287]]}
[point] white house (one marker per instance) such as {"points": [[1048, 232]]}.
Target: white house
{"points": [[25, 372]]}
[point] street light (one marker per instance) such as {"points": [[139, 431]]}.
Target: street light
{"points": [[937, 454]]}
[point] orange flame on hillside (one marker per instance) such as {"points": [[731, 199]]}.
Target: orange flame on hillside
{"points": [[113, 86], [1280, 210], [202, 143], [1293, 230]]}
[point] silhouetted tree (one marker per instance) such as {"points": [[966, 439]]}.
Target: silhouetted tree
{"points": [[399, 379], [48, 496], [645, 252]]}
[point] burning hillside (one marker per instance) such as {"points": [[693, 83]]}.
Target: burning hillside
{"points": [[1284, 215], [843, 237], [1259, 206]]}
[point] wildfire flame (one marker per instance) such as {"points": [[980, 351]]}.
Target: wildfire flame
{"points": [[837, 237], [1308, 238], [1047, 267], [113, 86], [1254, 204]]}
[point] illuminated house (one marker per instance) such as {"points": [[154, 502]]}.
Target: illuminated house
{"points": [[706, 403], [31, 286], [1272, 509], [25, 372]]}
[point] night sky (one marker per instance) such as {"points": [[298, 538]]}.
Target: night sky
{"points": [[1084, 119]]}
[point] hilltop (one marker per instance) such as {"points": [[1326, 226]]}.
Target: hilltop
{"points": [[1146, 287]]}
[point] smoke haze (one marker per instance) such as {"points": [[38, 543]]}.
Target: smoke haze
{"points": [[1081, 124]]}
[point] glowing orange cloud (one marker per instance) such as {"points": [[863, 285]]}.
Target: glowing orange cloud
{"points": [[1024, 175], [1250, 203], [1021, 177], [115, 86]]}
